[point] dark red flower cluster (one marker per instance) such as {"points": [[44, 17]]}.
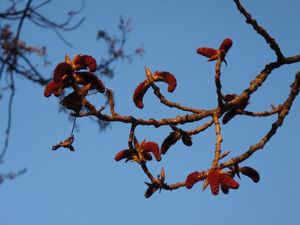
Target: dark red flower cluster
{"points": [[64, 71], [142, 88], [214, 54], [216, 179], [141, 154]]}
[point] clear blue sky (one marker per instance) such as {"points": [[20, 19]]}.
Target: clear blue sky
{"points": [[89, 187]]}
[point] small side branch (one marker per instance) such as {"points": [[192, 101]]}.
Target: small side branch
{"points": [[261, 114], [286, 106]]}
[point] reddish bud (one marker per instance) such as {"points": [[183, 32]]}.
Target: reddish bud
{"points": [[251, 173], [124, 154], [62, 69], [139, 93], [166, 77], [170, 140], [152, 147], [207, 52], [51, 88], [226, 45]]}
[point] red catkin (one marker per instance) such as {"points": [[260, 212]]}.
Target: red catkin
{"points": [[226, 45], [124, 154], [166, 77], [214, 181], [60, 70], [228, 116], [51, 88], [191, 179], [139, 93], [251, 173], [87, 61], [207, 52], [227, 180], [153, 148], [170, 140]]}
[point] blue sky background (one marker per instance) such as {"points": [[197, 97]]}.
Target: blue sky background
{"points": [[89, 187]]}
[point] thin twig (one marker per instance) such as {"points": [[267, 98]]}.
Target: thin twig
{"points": [[9, 120], [261, 114], [111, 102], [218, 82], [260, 30], [201, 128]]}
